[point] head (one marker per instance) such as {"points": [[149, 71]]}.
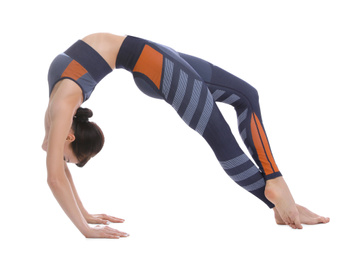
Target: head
{"points": [[87, 139]]}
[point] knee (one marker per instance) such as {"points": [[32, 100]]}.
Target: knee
{"points": [[254, 95]]}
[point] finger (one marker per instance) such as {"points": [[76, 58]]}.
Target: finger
{"points": [[114, 219], [116, 232], [97, 221], [103, 221], [112, 236]]}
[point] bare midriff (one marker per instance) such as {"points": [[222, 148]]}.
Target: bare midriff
{"points": [[106, 44]]}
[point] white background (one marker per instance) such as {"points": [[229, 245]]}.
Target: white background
{"points": [[305, 58]]}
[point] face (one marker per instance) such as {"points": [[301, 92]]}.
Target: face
{"points": [[68, 154]]}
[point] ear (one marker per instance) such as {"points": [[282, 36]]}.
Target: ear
{"points": [[70, 138]]}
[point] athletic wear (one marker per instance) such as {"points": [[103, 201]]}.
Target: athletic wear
{"points": [[191, 86], [80, 63]]}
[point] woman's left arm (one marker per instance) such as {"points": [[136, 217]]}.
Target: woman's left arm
{"points": [[90, 218]]}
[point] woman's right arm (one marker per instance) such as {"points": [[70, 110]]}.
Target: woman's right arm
{"points": [[61, 112]]}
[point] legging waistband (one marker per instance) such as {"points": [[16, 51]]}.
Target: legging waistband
{"points": [[129, 52]]}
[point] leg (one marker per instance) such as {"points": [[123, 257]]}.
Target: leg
{"points": [[244, 98], [160, 72], [183, 88], [229, 89]]}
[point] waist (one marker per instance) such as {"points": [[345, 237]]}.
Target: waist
{"points": [[129, 52]]}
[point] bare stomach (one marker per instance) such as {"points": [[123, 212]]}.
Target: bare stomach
{"points": [[106, 44]]}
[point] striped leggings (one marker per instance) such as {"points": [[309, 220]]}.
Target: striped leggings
{"points": [[192, 86]]}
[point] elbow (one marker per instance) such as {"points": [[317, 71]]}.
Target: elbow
{"points": [[44, 146], [54, 182]]}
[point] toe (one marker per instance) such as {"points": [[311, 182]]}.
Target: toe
{"points": [[297, 222], [298, 225], [324, 220]]}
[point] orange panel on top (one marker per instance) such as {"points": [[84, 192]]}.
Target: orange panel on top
{"points": [[74, 71], [150, 63]]}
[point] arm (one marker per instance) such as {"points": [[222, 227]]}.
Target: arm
{"points": [[58, 122], [68, 199], [90, 218], [46, 126], [77, 198], [61, 114]]}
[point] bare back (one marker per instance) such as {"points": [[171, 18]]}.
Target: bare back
{"points": [[106, 44]]}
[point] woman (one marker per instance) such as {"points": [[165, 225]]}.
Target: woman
{"points": [[191, 86]]}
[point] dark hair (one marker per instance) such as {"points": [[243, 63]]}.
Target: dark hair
{"points": [[89, 138]]}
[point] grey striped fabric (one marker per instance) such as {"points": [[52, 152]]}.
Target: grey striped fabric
{"points": [[192, 105], [168, 73], [235, 162], [181, 90], [256, 185], [218, 93], [206, 113], [242, 116], [231, 99], [180, 93], [244, 175]]}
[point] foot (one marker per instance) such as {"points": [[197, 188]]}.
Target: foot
{"points": [[278, 193], [309, 218], [306, 217]]}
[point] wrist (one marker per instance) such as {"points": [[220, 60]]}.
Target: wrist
{"points": [[85, 214], [86, 231], [84, 227]]}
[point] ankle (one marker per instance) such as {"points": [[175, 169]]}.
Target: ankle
{"points": [[272, 189], [270, 193]]}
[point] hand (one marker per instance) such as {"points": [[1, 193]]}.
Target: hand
{"points": [[102, 219], [105, 232]]}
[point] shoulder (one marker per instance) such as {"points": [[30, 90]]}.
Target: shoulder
{"points": [[65, 99], [66, 93]]}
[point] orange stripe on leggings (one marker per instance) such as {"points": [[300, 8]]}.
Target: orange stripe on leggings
{"points": [[74, 71], [262, 146], [150, 63]]}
